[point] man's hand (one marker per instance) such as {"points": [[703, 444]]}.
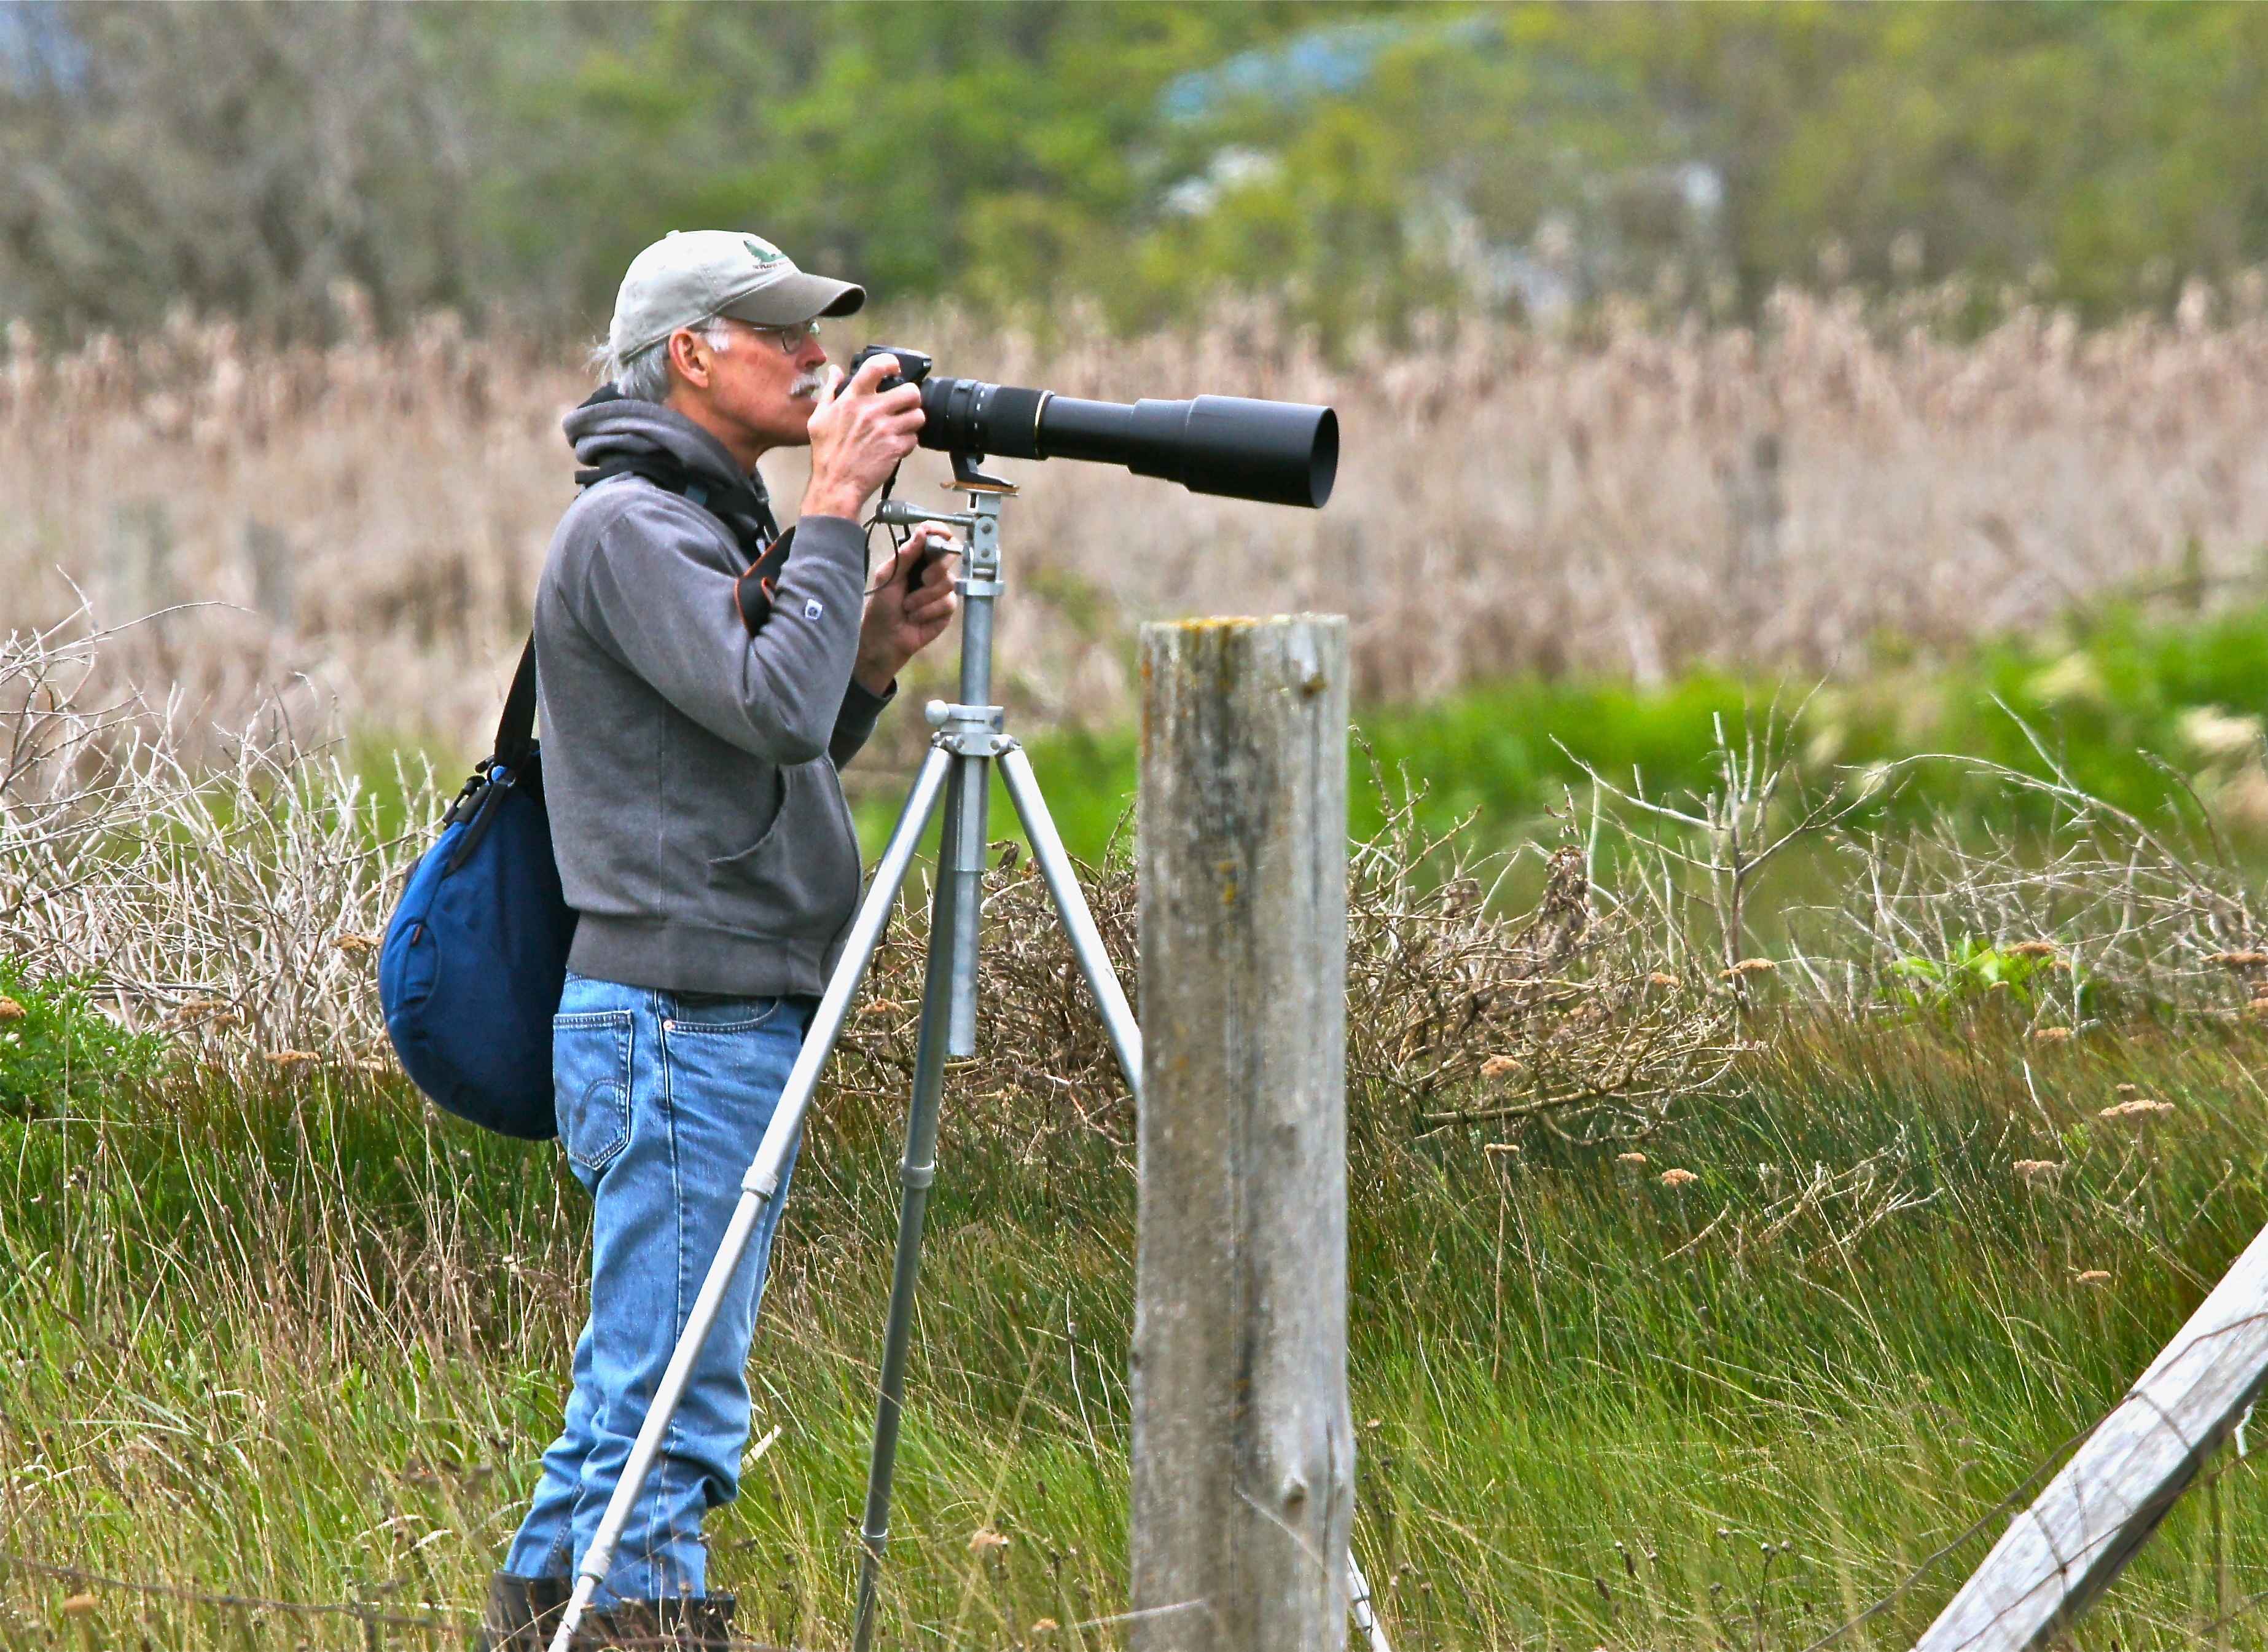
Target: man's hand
{"points": [[901, 621], [858, 436]]}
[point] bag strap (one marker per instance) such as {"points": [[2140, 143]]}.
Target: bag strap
{"points": [[738, 505], [507, 763], [515, 734], [753, 590]]}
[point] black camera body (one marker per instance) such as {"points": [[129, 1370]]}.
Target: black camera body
{"points": [[1279, 452], [913, 367]]}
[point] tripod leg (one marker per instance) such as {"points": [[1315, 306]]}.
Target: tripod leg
{"points": [[1118, 1020], [1359, 1607], [1079, 923], [916, 1173], [762, 1181]]}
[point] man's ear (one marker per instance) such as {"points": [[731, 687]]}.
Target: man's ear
{"points": [[690, 355]]}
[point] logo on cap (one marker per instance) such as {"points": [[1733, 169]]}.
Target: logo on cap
{"points": [[762, 253]]}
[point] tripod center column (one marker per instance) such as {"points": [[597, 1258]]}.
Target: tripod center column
{"points": [[980, 589]]}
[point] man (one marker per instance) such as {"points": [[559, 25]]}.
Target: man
{"points": [[692, 733]]}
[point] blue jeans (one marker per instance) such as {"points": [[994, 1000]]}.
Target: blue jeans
{"points": [[662, 1098]]}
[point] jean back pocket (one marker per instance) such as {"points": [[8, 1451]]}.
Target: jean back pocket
{"points": [[591, 1069]]}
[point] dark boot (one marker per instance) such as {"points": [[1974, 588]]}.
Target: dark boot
{"points": [[523, 1612], [683, 1623]]}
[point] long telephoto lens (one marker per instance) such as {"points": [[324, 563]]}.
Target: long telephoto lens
{"points": [[1279, 452]]}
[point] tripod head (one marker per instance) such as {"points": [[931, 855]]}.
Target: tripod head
{"points": [[980, 584]]}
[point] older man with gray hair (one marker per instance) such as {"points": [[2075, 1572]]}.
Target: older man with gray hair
{"points": [[701, 685]]}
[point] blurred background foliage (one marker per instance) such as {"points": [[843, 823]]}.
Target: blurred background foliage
{"points": [[1362, 164]]}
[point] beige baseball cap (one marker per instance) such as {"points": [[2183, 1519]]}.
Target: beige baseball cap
{"points": [[690, 275]]}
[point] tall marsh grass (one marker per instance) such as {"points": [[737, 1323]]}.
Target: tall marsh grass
{"points": [[291, 1336], [1629, 502], [1711, 1362]]}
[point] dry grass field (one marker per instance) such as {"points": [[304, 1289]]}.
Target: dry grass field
{"points": [[368, 521]]}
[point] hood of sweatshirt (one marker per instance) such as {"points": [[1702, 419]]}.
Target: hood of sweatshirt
{"points": [[613, 425]]}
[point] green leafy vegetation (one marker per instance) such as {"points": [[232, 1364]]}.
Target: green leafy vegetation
{"points": [[1358, 163], [1975, 968], [56, 1045]]}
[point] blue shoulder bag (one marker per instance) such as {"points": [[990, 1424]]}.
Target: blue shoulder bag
{"points": [[476, 954]]}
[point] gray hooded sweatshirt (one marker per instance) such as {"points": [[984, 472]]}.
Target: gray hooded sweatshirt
{"points": [[690, 768]]}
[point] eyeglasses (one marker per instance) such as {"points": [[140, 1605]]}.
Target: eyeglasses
{"points": [[790, 339]]}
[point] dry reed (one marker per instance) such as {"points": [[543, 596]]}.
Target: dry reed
{"points": [[371, 517]]}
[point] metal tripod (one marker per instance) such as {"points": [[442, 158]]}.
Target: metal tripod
{"points": [[969, 741]]}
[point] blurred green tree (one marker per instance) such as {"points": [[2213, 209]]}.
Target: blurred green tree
{"points": [[2099, 152], [232, 158], [1359, 164], [994, 151]]}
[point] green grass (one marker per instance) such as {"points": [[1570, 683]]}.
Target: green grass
{"points": [[292, 1335], [2118, 695], [301, 1338]]}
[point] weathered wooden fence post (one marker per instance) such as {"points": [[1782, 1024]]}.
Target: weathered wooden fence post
{"points": [[1243, 1446]]}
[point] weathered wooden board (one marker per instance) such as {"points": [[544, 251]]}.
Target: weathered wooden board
{"points": [[2064, 1551], [1243, 1469]]}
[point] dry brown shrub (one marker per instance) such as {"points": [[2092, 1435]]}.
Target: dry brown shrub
{"points": [[1627, 502], [237, 905], [1564, 1019], [1457, 1016], [1043, 1064], [228, 897]]}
